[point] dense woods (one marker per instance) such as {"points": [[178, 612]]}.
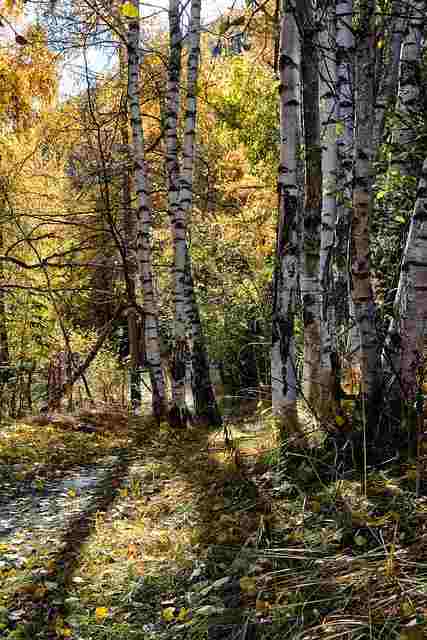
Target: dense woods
{"points": [[201, 215], [153, 190]]}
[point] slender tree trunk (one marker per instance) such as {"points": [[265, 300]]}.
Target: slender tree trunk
{"points": [[345, 143], [328, 113], [411, 298], [179, 411], [129, 243], [388, 69], [362, 292], [205, 405], [409, 91], [4, 340], [310, 285], [144, 221], [285, 284]]}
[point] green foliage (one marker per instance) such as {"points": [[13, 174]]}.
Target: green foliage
{"points": [[240, 112], [395, 197]]}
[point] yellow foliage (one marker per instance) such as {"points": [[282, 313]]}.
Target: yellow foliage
{"points": [[128, 10], [248, 584], [101, 613]]}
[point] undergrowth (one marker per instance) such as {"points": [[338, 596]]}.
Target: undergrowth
{"points": [[314, 554]]}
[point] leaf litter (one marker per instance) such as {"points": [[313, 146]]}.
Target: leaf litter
{"points": [[197, 540]]}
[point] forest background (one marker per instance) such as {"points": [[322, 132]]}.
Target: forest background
{"points": [[249, 193]]}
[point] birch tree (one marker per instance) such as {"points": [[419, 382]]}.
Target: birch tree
{"points": [[310, 285], [328, 113], [178, 225], [362, 293], [387, 68], [188, 333], [283, 373], [205, 406], [129, 244], [409, 92], [345, 150], [144, 217], [411, 298]]}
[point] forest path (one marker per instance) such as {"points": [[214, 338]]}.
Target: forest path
{"points": [[139, 533], [66, 495], [32, 508]]}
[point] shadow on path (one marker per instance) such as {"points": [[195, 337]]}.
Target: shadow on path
{"points": [[38, 615]]}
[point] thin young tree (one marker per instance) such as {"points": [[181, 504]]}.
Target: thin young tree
{"points": [[144, 216], [362, 291], [189, 336], [310, 285], [285, 283], [328, 113]]}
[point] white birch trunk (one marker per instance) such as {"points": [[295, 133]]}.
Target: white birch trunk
{"points": [[328, 115], [409, 92], [310, 285], [144, 221], [411, 297], [362, 292], [283, 375], [408, 105], [178, 223], [205, 405], [345, 84], [388, 66]]}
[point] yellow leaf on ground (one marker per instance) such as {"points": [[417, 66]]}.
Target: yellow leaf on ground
{"points": [[339, 420], [406, 608], [101, 613], [248, 584], [128, 10], [183, 614], [262, 605], [168, 614]]}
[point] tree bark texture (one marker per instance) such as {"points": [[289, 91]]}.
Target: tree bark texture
{"points": [[328, 115], [285, 282], [310, 285], [144, 221], [363, 299]]}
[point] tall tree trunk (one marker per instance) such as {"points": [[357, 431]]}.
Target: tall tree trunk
{"points": [[310, 285], [144, 221], [345, 143], [413, 287], [285, 284], [411, 298], [388, 69], [178, 220], [205, 405], [328, 113], [362, 292], [4, 340], [409, 91], [129, 243]]}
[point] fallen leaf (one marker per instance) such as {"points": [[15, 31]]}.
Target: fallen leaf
{"points": [[168, 614], [183, 614], [248, 584], [262, 605], [101, 613], [128, 10]]}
